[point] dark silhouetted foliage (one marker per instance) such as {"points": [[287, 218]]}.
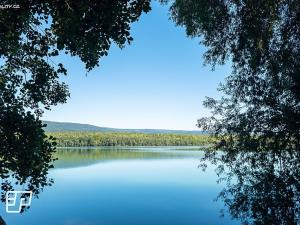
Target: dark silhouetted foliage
{"points": [[31, 36], [261, 105], [257, 122]]}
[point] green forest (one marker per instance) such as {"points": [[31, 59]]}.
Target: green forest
{"points": [[82, 139]]}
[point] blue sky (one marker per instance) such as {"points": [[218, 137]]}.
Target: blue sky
{"points": [[158, 81]]}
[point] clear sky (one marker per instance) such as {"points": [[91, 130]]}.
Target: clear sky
{"points": [[158, 81]]}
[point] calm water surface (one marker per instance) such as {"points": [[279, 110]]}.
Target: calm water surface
{"points": [[139, 186]]}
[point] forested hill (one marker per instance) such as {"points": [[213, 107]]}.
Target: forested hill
{"points": [[73, 127]]}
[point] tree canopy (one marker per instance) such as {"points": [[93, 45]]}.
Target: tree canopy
{"points": [[261, 103], [257, 121], [31, 36]]}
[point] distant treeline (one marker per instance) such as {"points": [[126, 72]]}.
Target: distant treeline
{"points": [[81, 139]]}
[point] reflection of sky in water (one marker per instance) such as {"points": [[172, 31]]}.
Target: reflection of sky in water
{"points": [[138, 191]]}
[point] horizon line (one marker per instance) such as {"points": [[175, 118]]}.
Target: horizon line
{"points": [[122, 128]]}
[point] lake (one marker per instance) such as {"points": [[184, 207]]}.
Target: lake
{"points": [[134, 186]]}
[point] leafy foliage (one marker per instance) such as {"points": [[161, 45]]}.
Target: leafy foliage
{"points": [[25, 153], [257, 121], [31, 37], [261, 104]]}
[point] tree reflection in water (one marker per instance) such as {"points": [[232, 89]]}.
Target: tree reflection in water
{"points": [[262, 187]]}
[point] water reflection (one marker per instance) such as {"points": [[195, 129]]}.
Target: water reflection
{"points": [[164, 184], [78, 157], [261, 187], [151, 186]]}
